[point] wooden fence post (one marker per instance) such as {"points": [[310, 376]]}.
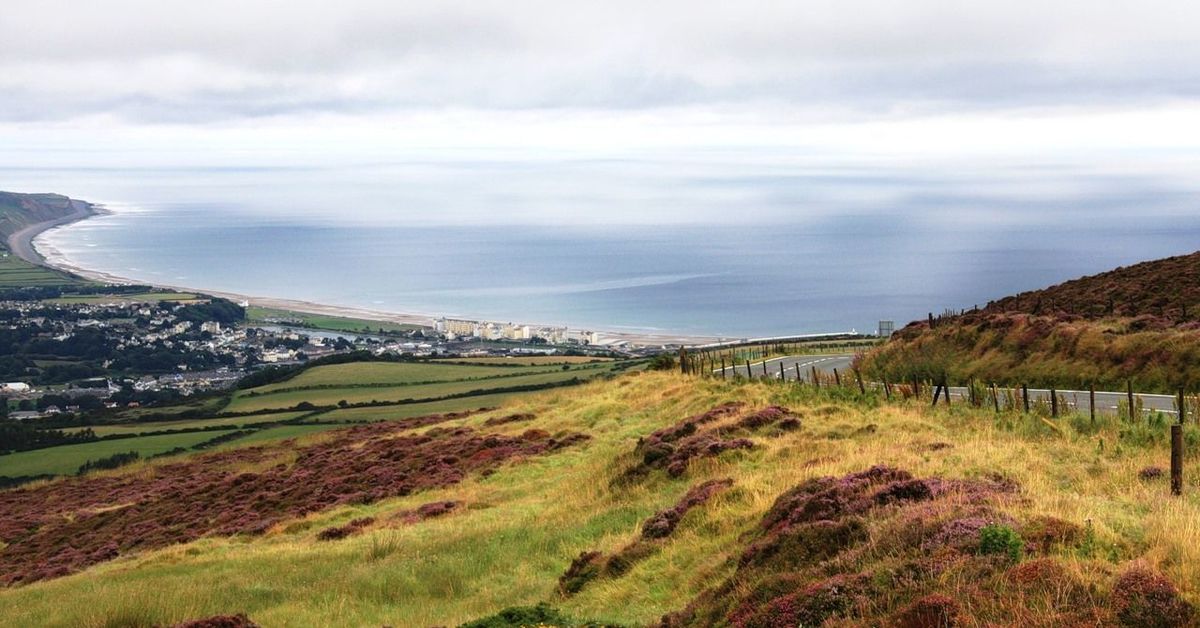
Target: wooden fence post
{"points": [[937, 391], [1025, 396], [1176, 459], [971, 393], [862, 389], [995, 397], [723, 374], [749, 373], [764, 366], [887, 390], [837, 378], [1053, 402], [816, 379], [946, 392], [683, 360], [1182, 407], [782, 375], [1129, 396], [1092, 401]]}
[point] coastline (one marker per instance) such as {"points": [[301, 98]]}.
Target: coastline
{"points": [[20, 243], [26, 240]]}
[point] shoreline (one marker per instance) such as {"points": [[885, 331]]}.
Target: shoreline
{"points": [[26, 239]]}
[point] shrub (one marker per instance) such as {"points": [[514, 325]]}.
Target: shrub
{"points": [[1146, 599], [1000, 539], [931, 611]]}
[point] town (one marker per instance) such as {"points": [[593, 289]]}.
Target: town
{"points": [[77, 355]]}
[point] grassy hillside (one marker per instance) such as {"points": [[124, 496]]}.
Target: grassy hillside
{"points": [[18, 211], [1140, 323], [656, 495]]}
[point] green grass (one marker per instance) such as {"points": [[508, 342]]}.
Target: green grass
{"points": [[273, 434], [243, 401], [155, 426], [66, 459], [417, 409], [138, 297], [330, 323], [398, 373], [528, 360], [17, 273], [523, 525]]}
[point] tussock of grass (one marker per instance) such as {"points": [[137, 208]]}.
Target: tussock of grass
{"points": [[523, 525]]}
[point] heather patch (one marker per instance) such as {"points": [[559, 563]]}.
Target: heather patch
{"points": [[591, 565], [341, 532], [66, 526], [427, 511], [815, 555], [509, 418], [672, 448], [1146, 599], [219, 621]]}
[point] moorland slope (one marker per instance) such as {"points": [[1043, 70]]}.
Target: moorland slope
{"points": [[1139, 323], [653, 498]]}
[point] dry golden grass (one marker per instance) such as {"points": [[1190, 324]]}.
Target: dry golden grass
{"points": [[522, 526]]}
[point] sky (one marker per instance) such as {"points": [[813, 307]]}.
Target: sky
{"points": [[1101, 89]]}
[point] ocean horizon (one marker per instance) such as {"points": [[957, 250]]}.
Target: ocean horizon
{"points": [[802, 262]]}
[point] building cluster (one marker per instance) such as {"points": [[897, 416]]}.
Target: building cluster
{"points": [[457, 329]]}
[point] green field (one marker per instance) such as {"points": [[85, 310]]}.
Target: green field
{"points": [[245, 401], [137, 297], [529, 360], [395, 373], [17, 273], [390, 413], [331, 323], [273, 434], [66, 459], [156, 426]]}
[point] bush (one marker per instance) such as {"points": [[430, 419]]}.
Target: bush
{"points": [[662, 362], [520, 616], [1146, 599], [111, 462], [1000, 539]]}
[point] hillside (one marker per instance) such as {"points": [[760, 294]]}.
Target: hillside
{"points": [[653, 498], [1139, 323], [18, 211]]}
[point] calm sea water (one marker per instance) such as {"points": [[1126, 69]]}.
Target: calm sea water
{"points": [[759, 254]]}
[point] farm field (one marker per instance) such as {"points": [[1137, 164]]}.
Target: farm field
{"points": [[155, 426], [532, 360], [16, 273], [329, 323], [272, 434], [138, 297], [391, 413], [248, 401], [399, 373], [760, 498], [66, 459]]}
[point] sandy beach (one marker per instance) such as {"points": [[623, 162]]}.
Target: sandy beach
{"points": [[24, 244]]}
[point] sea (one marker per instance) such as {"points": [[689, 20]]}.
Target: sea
{"points": [[734, 250]]}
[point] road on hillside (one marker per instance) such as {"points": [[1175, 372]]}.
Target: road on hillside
{"points": [[800, 366], [793, 366]]}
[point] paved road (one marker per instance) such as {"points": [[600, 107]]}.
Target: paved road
{"points": [[794, 366]]}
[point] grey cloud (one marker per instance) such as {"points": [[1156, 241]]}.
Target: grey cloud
{"points": [[203, 61]]}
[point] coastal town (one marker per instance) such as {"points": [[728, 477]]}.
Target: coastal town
{"points": [[64, 356]]}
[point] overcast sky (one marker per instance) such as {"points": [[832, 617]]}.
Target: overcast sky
{"points": [[226, 60], [1107, 88]]}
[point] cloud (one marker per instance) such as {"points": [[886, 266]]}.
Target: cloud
{"points": [[168, 61]]}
